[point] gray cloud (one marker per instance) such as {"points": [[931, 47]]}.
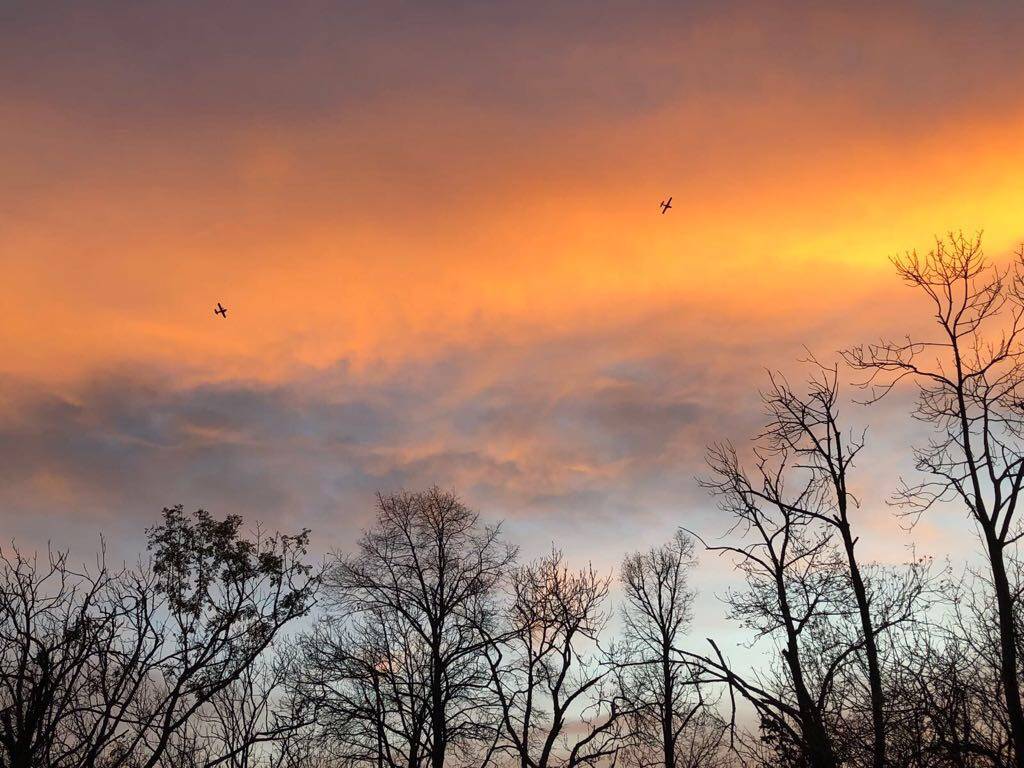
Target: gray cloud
{"points": [[575, 429], [135, 63]]}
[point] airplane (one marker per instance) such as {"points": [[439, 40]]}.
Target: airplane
{"points": [[220, 311], [665, 205]]}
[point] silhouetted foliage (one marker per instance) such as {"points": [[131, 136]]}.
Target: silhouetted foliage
{"points": [[143, 666]]}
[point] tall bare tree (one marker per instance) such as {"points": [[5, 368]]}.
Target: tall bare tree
{"points": [[793, 588], [428, 573], [806, 425], [670, 722], [548, 671], [53, 623], [367, 678], [970, 383]]}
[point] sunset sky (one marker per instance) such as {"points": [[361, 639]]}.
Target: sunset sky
{"points": [[436, 230]]}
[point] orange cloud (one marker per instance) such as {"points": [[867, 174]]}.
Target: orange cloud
{"points": [[378, 195]]}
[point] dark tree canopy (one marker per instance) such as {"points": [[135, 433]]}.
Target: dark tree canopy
{"points": [[124, 668], [417, 603]]}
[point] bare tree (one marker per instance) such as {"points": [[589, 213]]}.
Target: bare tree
{"points": [[367, 678], [807, 427], [52, 621], [793, 588], [671, 723], [943, 682], [422, 591], [252, 723], [548, 671], [969, 381]]}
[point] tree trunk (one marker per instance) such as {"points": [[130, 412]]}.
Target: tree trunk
{"points": [[1008, 648], [667, 724], [437, 719], [870, 649], [817, 743]]}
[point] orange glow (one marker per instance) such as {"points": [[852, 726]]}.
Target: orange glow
{"points": [[436, 230], [126, 266]]}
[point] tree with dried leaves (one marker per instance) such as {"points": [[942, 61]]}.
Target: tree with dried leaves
{"points": [[116, 669]]}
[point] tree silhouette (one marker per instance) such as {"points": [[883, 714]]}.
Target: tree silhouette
{"points": [[116, 669], [970, 383], [420, 596], [793, 588], [548, 669], [672, 721]]}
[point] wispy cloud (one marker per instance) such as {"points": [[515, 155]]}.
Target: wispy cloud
{"points": [[437, 234]]}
